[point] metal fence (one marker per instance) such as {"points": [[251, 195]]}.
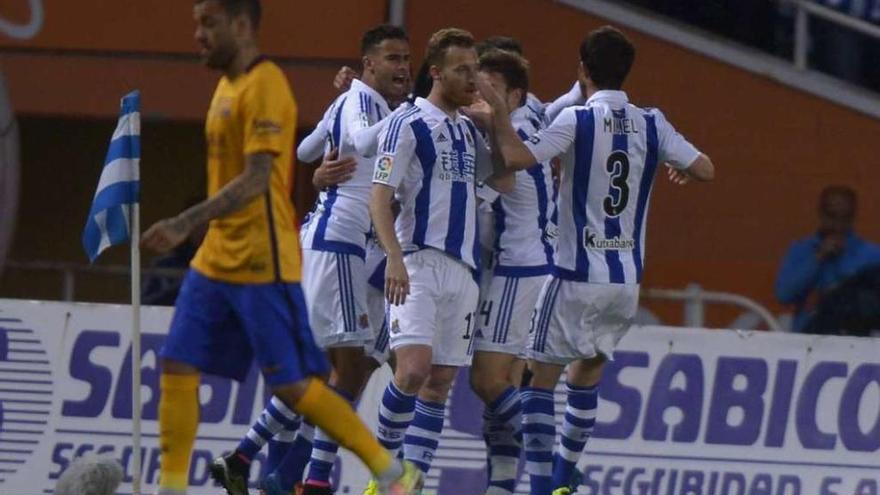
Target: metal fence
{"points": [[693, 297], [804, 9]]}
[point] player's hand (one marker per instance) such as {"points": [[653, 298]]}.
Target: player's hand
{"points": [[396, 280], [344, 77], [165, 235], [677, 176], [490, 95], [481, 113], [333, 171], [582, 80]]}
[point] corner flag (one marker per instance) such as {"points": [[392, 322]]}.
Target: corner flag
{"points": [[119, 186]]}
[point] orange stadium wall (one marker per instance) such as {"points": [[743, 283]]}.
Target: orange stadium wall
{"points": [[775, 147]]}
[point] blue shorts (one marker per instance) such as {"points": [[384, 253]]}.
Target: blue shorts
{"points": [[219, 327]]}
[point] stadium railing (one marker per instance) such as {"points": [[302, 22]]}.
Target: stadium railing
{"points": [[694, 297], [796, 74], [695, 300], [69, 272], [806, 8]]}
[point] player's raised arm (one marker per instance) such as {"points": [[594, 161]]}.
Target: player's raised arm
{"points": [[508, 144], [312, 146], [680, 154], [574, 96], [491, 165], [166, 234], [503, 178]]}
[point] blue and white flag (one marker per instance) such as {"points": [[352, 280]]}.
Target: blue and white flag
{"points": [[119, 186]]}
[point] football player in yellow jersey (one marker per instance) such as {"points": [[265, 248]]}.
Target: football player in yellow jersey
{"points": [[241, 298]]}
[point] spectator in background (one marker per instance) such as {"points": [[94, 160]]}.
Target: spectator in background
{"points": [[816, 265], [90, 475], [836, 49], [851, 309]]}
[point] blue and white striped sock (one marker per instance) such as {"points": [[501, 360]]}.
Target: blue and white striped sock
{"points": [[279, 446], [539, 435], [580, 417], [274, 418], [324, 451], [423, 435], [396, 412], [290, 470], [502, 430]]}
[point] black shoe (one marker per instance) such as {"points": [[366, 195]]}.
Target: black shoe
{"points": [[316, 490], [232, 474]]}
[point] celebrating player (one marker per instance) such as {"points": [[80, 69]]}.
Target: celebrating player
{"points": [[522, 257], [430, 158], [611, 151], [242, 297]]}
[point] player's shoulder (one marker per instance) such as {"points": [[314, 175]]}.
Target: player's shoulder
{"points": [[571, 114], [471, 126], [358, 97], [397, 124], [265, 70], [524, 120], [268, 76], [337, 104], [649, 111], [405, 115]]}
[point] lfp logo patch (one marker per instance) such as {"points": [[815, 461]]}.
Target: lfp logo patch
{"points": [[25, 394], [382, 172]]}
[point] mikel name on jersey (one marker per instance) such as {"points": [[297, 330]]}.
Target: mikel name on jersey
{"points": [[619, 126]]}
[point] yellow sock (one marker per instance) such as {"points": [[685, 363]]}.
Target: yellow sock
{"points": [[178, 422], [333, 414]]}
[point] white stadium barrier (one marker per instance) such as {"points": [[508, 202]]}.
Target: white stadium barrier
{"points": [[682, 411]]}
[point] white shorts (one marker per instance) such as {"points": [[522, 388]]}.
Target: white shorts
{"points": [[505, 313], [439, 310], [579, 320], [375, 266], [335, 286]]}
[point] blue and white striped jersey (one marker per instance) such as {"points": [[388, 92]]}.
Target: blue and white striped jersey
{"points": [[611, 150], [524, 230], [434, 161], [340, 221]]}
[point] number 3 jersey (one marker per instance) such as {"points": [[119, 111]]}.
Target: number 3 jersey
{"points": [[611, 150]]}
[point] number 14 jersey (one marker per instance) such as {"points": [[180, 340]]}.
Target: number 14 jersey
{"points": [[610, 153]]}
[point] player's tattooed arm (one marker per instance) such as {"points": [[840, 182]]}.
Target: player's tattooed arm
{"points": [[166, 234]]}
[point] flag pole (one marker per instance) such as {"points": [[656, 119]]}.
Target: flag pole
{"points": [[136, 347]]}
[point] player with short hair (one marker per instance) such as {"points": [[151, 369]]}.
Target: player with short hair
{"points": [[242, 297], [522, 257], [336, 234], [335, 238], [430, 159], [611, 150], [543, 112]]}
